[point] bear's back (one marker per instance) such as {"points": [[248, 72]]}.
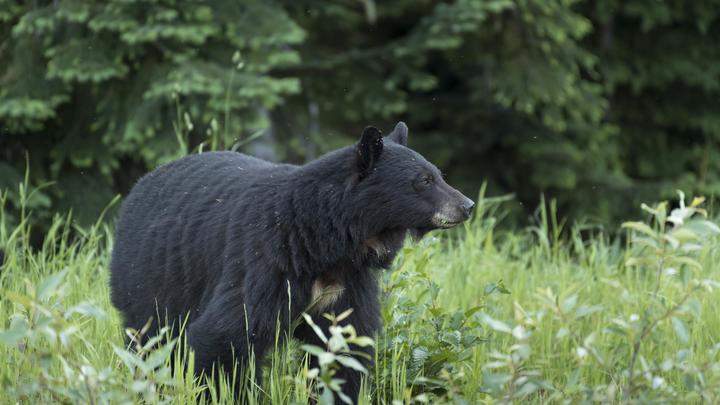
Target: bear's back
{"points": [[172, 229], [181, 185]]}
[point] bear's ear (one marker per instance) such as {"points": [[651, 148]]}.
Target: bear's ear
{"points": [[368, 150], [399, 134]]}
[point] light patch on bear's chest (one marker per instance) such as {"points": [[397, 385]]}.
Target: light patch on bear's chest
{"points": [[324, 294]]}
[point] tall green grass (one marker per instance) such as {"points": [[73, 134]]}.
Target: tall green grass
{"points": [[554, 313]]}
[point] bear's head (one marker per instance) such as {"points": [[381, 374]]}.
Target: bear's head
{"points": [[400, 190]]}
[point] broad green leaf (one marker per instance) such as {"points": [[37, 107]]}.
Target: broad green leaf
{"points": [[697, 201], [687, 261], [351, 363], [326, 397], [23, 300], [569, 303], [312, 349], [344, 315], [325, 358], [419, 356], [680, 329], [86, 309], [684, 234], [12, 336], [158, 356], [495, 324], [470, 312], [50, 285], [318, 331], [673, 242], [362, 341], [707, 227], [585, 310], [640, 227], [346, 399], [131, 360], [139, 385]]}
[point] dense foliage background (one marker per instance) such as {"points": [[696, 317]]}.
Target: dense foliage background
{"points": [[590, 102], [597, 104]]}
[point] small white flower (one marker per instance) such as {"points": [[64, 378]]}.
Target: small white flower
{"points": [[634, 318], [581, 352]]}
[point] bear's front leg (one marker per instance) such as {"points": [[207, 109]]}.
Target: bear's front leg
{"points": [[219, 339], [230, 329], [364, 300]]}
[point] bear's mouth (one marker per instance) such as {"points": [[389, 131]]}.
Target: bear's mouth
{"points": [[444, 222]]}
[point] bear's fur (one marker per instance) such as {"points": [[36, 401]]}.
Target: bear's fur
{"points": [[240, 245]]}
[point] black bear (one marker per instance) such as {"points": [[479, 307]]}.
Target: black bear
{"points": [[241, 246]]}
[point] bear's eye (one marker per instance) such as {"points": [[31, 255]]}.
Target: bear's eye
{"points": [[423, 182]]}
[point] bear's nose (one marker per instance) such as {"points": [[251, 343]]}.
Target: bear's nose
{"points": [[467, 207]]}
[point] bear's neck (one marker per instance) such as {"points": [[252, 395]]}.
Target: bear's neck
{"points": [[325, 229]]}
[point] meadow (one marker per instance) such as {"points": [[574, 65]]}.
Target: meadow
{"points": [[550, 313]]}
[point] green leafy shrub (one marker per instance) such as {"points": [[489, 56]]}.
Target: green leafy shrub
{"points": [[336, 354], [431, 341], [50, 348]]}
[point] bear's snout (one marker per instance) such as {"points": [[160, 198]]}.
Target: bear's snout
{"points": [[454, 208], [467, 207], [451, 215]]}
